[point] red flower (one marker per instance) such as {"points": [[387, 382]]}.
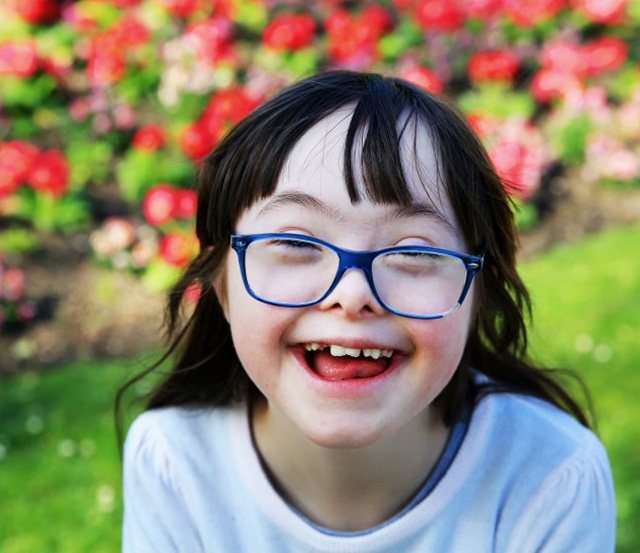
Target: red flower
{"points": [[197, 140], [231, 104], [105, 68], [12, 284], [16, 160], [186, 203], [50, 173], [605, 12], [549, 84], [176, 249], [424, 78], [338, 22], [159, 204], [149, 138], [376, 19], [129, 32], [438, 15], [605, 54], [289, 32], [532, 12], [125, 3], [500, 65], [19, 58], [180, 8], [36, 11]]}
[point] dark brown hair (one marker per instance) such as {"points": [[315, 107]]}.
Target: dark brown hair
{"points": [[245, 167]]}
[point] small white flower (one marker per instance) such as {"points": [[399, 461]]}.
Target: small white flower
{"points": [[67, 448], [602, 353], [583, 343], [34, 424], [105, 498]]}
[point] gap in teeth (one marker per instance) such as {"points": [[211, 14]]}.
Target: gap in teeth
{"points": [[341, 351]]}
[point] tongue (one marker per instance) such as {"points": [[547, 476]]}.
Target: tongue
{"points": [[343, 368]]}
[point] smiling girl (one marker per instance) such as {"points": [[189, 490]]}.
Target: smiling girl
{"points": [[354, 376]]}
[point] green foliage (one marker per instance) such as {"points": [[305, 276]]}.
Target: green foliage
{"points": [[139, 170], [26, 93], [17, 240], [47, 213], [526, 215], [570, 139], [498, 100]]}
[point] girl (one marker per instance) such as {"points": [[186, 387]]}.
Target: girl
{"points": [[354, 375]]}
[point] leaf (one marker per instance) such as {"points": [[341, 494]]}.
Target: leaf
{"points": [[18, 240], [160, 276], [570, 140], [498, 100]]}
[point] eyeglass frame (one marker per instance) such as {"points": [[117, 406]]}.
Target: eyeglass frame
{"points": [[350, 259]]}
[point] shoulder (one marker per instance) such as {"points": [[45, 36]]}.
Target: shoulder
{"points": [[537, 428], [550, 475], [173, 436]]}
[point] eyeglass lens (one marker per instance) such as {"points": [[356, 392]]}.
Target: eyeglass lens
{"points": [[293, 271]]}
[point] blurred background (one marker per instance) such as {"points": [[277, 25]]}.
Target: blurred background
{"points": [[107, 108]]}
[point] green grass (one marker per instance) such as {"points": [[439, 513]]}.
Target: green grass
{"points": [[59, 466]]}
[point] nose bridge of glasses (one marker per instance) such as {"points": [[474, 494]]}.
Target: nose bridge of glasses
{"points": [[361, 261]]}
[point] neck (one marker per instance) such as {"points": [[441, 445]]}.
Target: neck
{"points": [[347, 489]]}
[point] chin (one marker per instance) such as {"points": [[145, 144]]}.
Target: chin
{"points": [[344, 436]]}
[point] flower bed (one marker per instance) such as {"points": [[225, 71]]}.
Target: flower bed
{"points": [[107, 106]]}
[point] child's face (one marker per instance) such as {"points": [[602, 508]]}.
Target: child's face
{"points": [[270, 340]]}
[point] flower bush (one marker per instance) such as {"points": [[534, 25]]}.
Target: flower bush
{"points": [[125, 97]]}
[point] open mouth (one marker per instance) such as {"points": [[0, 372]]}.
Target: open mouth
{"points": [[336, 362]]}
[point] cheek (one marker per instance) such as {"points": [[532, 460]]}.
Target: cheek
{"points": [[257, 330]]}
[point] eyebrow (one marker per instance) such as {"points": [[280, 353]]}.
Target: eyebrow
{"points": [[302, 199]]}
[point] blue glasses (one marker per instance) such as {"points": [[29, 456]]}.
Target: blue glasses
{"points": [[293, 270]]}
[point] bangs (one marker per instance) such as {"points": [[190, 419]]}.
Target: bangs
{"points": [[246, 166]]}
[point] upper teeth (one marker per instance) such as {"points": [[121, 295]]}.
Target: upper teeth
{"points": [[341, 351]]}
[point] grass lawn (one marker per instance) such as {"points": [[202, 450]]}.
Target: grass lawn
{"points": [[59, 467]]}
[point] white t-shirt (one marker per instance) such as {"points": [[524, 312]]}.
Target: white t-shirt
{"points": [[524, 478]]}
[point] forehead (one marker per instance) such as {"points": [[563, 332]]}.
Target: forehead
{"points": [[316, 162]]}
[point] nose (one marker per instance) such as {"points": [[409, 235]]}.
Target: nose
{"points": [[353, 296]]}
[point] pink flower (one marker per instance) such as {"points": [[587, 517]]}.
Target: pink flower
{"points": [[565, 57], [26, 311], [12, 284], [605, 12], [119, 232], [481, 9], [192, 293], [149, 138], [18, 58], [159, 204], [210, 39], [289, 32], [605, 54], [50, 173], [499, 65], [424, 78], [551, 84]]}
